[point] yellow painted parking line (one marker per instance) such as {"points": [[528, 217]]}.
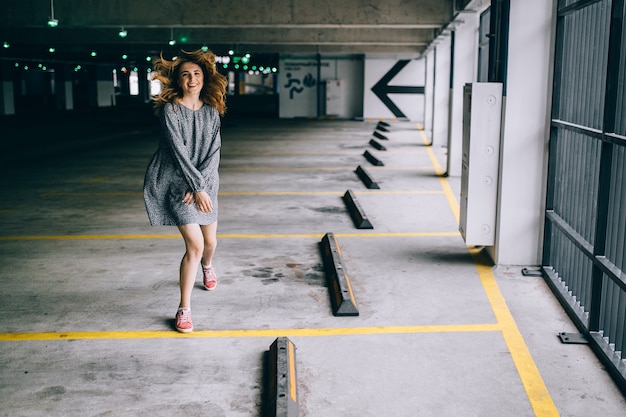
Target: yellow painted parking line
{"points": [[228, 154], [346, 168], [270, 168], [91, 194], [454, 205], [96, 180], [215, 334], [278, 168], [270, 193], [400, 168], [237, 193], [228, 236], [533, 383], [274, 193]]}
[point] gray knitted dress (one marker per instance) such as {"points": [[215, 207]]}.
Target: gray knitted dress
{"points": [[187, 158]]}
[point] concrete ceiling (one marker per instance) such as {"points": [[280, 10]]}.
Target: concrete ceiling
{"points": [[256, 27]]}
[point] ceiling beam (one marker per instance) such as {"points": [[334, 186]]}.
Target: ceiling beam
{"points": [[177, 13]]}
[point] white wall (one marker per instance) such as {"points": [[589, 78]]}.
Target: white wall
{"points": [[464, 71], [442, 92], [298, 85], [349, 70], [412, 75], [524, 144], [7, 104], [429, 94]]}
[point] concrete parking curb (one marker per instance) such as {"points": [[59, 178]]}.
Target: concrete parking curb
{"points": [[367, 179], [341, 294], [356, 211], [282, 384]]}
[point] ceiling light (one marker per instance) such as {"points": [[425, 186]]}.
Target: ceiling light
{"points": [[6, 45], [52, 22], [94, 53], [52, 49], [172, 41], [122, 33], [204, 48]]}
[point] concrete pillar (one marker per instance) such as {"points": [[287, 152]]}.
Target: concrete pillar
{"points": [[441, 99], [464, 71], [63, 88], [101, 89], [525, 133], [429, 60], [144, 85], [7, 94], [123, 82]]}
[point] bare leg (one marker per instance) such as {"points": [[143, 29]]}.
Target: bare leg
{"points": [[209, 233], [194, 245]]}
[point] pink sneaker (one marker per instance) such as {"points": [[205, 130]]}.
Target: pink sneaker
{"points": [[209, 278], [183, 320]]}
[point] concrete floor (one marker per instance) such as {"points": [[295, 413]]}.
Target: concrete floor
{"points": [[89, 289]]}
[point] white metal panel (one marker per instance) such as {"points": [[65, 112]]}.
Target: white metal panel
{"points": [[482, 114]]}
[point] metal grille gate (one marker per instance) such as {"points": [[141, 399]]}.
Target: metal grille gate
{"points": [[584, 259]]}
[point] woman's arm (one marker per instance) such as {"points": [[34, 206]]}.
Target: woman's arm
{"points": [[171, 128]]}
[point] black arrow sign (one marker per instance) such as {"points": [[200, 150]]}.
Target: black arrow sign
{"points": [[382, 88]]}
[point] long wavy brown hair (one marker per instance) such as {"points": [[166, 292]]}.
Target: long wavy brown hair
{"points": [[167, 72]]}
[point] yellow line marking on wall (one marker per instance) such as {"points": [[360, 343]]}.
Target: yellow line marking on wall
{"points": [[215, 334], [228, 236], [533, 383]]}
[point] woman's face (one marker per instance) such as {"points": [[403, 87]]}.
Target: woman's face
{"points": [[191, 78]]}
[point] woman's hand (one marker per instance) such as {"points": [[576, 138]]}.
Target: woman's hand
{"points": [[188, 198], [203, 201]]}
